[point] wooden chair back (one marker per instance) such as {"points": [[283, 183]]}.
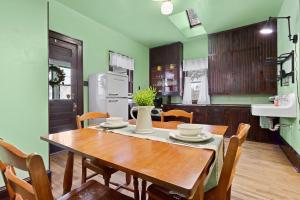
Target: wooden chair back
{"points": [[231, 159], [89, 116], [176, 113], [11, 158]]}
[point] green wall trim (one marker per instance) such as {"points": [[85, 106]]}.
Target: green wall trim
{"points": [[196, 48]]}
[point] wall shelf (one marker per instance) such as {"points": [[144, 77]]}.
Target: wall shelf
{"points": [[281, 60]]}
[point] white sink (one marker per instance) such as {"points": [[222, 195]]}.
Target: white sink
{"points": [[269, 110]]}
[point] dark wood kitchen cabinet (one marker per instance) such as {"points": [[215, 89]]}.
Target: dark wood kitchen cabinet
{"points": [[237, 61], [231, 116], [166, 69]]}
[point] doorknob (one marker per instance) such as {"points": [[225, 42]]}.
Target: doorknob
{"points": [[74, 107]]}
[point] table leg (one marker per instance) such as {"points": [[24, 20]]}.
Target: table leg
{"points": [[143, 192], [199, 195], [201, 192], [136, 188], [68, 176]]}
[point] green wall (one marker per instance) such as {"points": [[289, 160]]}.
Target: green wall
{"points": [[97, 41], [24, 65], [289, 8], [196, 48], [23, 74]]}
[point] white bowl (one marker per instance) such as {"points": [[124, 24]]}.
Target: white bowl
{"points": [[189, 129], [114, 120]]}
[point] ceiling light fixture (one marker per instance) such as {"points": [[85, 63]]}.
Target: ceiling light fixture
{"points": [[166, 7], [268, 29]]}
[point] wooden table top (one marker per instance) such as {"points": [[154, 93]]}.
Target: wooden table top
{"points": [[154, 161]]}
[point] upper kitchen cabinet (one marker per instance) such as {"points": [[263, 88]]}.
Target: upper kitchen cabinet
{"points": [[166, 69], [237, 61]]}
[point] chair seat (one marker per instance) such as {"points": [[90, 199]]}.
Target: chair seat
{"points": [[98, 167], [93, 190], [158, 192]]}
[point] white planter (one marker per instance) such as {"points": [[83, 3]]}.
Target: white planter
{"points": [[143, 121]]}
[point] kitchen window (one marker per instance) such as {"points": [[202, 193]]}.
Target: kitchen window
{"points": [[122, 64], [195, 81]]}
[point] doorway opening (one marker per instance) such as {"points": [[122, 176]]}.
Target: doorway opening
{"points": [[65, 83]]}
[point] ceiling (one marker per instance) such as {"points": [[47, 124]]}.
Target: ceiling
{"points": [[142, 21]]}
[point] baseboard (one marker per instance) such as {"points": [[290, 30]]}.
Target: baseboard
{"points": [[291, 154], [4, 194]]}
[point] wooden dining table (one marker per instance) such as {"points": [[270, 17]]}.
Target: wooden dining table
{"points": [[178, 168]]}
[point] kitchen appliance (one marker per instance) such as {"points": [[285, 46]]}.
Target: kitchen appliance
{"points": [[108, 92]]}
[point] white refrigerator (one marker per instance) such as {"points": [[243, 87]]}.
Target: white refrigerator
{"points": [[108, 92]]}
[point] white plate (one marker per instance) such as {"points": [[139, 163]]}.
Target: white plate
{"points": [[203, 136], [108, 125]]}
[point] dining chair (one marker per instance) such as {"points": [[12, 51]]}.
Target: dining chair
{"points": [[177, 113], [12, 158], [223, 190], [94, 165]]}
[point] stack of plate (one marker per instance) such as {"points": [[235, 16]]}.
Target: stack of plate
{"points": [[190, 133], [114, 122]]}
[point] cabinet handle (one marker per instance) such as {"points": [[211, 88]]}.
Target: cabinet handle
{"points": [[119, 80], [74, 107], [111, 101]]}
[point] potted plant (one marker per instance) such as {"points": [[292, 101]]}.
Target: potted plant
{"points": [[145, 103]]}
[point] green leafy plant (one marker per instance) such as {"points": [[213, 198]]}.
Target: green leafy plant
{"points": [[145, 97]]}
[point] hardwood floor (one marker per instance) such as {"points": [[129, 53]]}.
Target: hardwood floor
{"points": [[264, 173]]}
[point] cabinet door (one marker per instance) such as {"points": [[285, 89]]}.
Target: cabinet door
{"points": [[251, 72], [200, 115], [235, 116], [220, 73], [168, 59], [216, 116], [237, 62], [155, 57], [157, 78]]}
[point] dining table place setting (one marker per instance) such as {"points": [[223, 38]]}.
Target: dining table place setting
{"points": [[113, 123]]}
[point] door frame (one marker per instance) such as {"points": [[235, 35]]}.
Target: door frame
{"points": [[79, 72]]}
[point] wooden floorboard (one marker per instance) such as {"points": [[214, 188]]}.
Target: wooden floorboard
{"points": [[263, 173]]}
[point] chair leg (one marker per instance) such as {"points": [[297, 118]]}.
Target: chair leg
{"points": [[83, 171], [128, 179], [136, 188], [106, 178], [228, 194], [144, 188]]}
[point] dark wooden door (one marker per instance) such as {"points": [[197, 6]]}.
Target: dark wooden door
{"points": [[65, 98]]}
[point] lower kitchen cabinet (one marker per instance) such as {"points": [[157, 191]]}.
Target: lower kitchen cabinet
{"points": [[230, 115]]}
